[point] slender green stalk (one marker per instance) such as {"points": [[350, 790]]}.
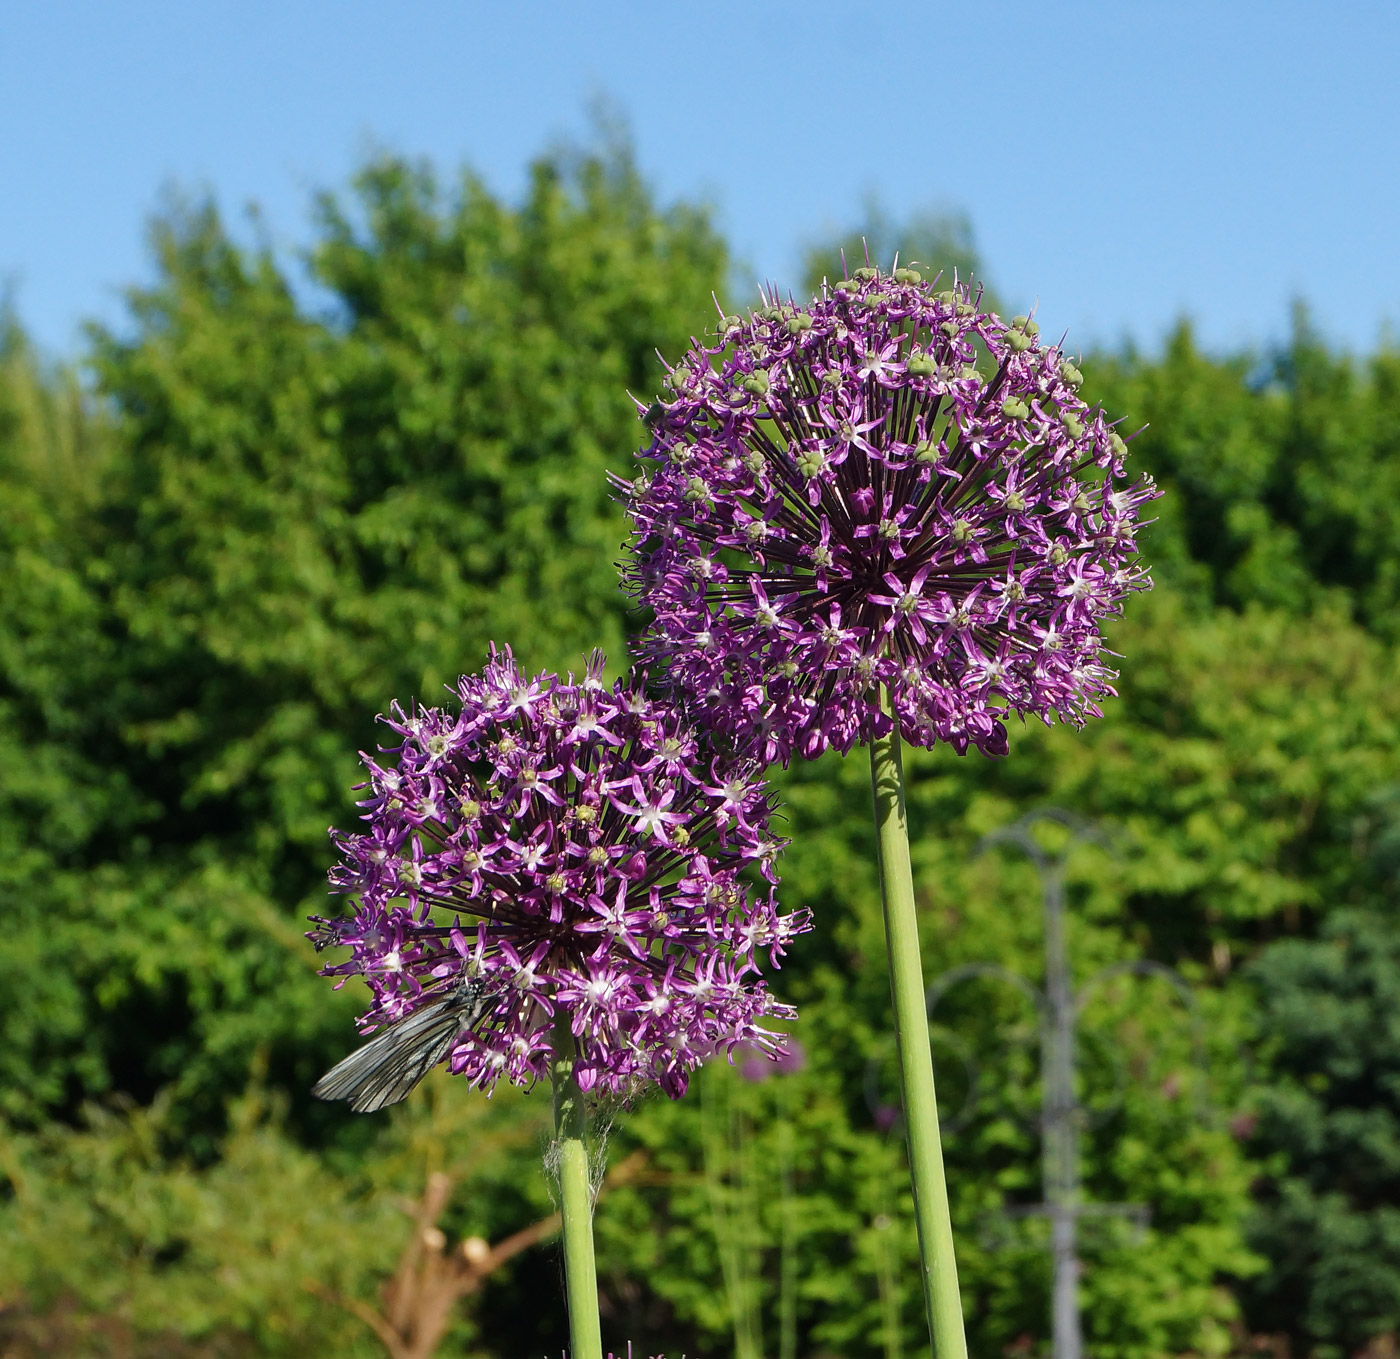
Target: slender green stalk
{"points": [[575, 1199], [940, 1272]]}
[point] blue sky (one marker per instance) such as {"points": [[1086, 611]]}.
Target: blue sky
{"points": [[1122, 163]]}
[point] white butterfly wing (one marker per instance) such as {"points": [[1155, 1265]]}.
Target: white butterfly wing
{"points": [[385, 1069]]}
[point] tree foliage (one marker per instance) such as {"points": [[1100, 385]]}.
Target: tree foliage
{"points": [[1283, 483], [308, 517], [1329, 1128]]}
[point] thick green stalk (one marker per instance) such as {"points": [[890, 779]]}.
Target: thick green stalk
{"points": [[940, 1272], [575, 1199]]}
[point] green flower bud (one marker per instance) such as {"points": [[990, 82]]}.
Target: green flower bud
{"points": [[1017, 341], [908, 276], [1117, 444], [925, 452], [865, 273], [920, 364], [962, 531], [950, 328], [798, 324], [696, 490], [1025, 325], [1070, 373], [811, 462], [1058, 555], [1015, 408], [755, 462], [756, 383], [1073, 426], [947, 297], [1015, 502]]}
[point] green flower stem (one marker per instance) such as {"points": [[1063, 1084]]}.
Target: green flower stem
{"points": [[940, 1272], [575, 1199]]}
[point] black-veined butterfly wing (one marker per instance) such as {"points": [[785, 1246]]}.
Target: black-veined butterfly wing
{"points": [[385, 1069]]}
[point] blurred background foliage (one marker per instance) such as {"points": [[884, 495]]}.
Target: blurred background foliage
{"points": [[234, 529]]}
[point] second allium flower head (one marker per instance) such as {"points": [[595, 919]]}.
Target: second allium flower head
{"points": [[569, 846], [889, 487]]}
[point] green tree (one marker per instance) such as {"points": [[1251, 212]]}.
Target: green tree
{"points": [[307, 517], [1329, 1130], [1281, 479], [53, 436], [268, 1249]]}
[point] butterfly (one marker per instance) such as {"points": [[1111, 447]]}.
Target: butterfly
{"points": [[386, 1068]]}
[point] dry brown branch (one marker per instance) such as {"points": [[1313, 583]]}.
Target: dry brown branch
{"points": [[429, 1280]]}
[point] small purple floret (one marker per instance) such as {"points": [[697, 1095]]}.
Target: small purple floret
{"points": [[888, 487], [575, 848]]}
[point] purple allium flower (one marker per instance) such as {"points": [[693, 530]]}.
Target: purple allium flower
{"points": [[569, 845], [893, 487]]}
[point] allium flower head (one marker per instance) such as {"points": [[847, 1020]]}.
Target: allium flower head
{"points": [[572, 847], [890, 486]]}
